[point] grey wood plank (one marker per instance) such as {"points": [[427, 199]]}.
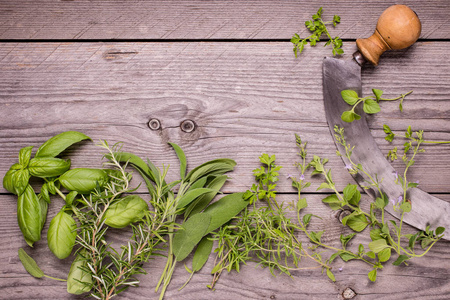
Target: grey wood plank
{"points": [[246, 99], [424, 278], [195, 19]]}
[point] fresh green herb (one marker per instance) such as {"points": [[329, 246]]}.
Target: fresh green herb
{"points": [[318, 27], [32, 267], [370, 103]]}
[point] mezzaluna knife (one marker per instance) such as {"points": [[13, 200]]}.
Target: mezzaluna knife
{"points": [[398, 27]]}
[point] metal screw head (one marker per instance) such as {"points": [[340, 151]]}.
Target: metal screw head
{"points": [[154, 124], [187, 126]]}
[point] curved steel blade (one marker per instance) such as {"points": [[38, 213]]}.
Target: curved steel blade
{"points": [[426, 210]]}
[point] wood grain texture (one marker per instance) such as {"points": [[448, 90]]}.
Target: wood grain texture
{"points": [[245, 98], [195, 19], [424, 278]]}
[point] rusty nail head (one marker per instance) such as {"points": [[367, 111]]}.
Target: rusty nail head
{"points": [[154, 124], [187, 126]]}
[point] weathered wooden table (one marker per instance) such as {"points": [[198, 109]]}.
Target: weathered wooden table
{"points": [[107, 68]]}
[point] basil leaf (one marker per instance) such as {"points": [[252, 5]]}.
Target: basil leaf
{"points": [[44, 209], [225, 209], [44, 193], [48, 166], [16, 180], [29, 216], [59, 143], [83, 180], [371, 106], [79, 281], [201, 202], [127, 210], [30, 264], [202, 253], [190, 233], [350, 96], [70, 197], [25, 156], [62, 234], [181, 158], [191, 196]]}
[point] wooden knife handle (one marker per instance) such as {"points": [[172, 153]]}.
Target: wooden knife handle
{"points": [[398, 27]]}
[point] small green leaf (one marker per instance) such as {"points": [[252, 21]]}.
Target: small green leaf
{"points": [[191, 196], [387, 129], [25, 156], [371, 107], [439, 231], [346, 239], [405, 206], [350, 96], [30, 264], [377, 93], [202, 253], [345, 256], [350, 116], [16, 180], [79, 281], [62, 234], [401, 258], [349, 191], [306, 219], [357, 222], [29, 216], [371, 254], [125, 211], [48, 166], [384, 254], [70, 197], [330, 275], [372, 275], [378, 245], [83, 180], [324, 185], [301, 204]]}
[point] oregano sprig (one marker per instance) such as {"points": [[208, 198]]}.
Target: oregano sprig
{"points": [[370, 103], [318, 27]]}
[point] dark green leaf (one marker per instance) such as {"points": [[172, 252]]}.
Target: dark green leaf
{"points": [[79, 281], [371, 107], [202, 253], [44, 193], [29, 216], [350, 96], [125, 211], [306, 219], [70, 197], [190, 233], [225, 209], [345, 256], [221, 165], [350, 116], [83, 180], [62, 234], [401, 258], [387, 129], [439, 231], [30, 264], [181, 158], [59, 143], [346, 239], [203, 201], [48, 166], [25, 156]]}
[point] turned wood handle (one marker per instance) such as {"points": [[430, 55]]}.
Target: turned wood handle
{"points": [[398, 27]]}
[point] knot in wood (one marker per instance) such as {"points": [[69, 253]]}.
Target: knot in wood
{"points": [[187, 126], [154, 124], [348, 293], [343, 213]]}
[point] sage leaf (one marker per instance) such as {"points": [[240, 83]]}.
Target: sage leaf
{"points": [[62, 234], [202, 253], [181, 158], [203, 201], [191, 196], [57, 144], [16, 180], [378, 245], [79, 281], [83, 180], [190, 233], [29, 216], [225, 209], [25, 156], [371, 106], [48, 166], [350, 96], [127, 210], [216, 167], [30, 264]]}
